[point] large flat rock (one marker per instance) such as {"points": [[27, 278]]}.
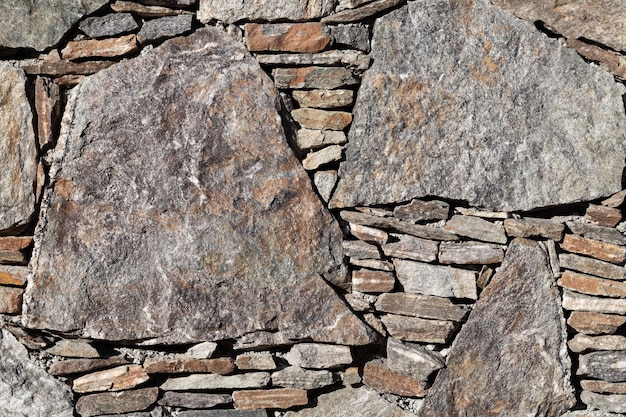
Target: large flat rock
{"points": [[41, 24], [600, 21], [231, 11], [18, 151], [178, 212], [510, 358], [467, 102], [27, 390]]}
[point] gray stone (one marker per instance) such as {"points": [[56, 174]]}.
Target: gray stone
{"points": [[614, 403], [581, 302], [201, 350], [350, 402], [314, 77], [419, 210], [256, 360], [76, 366], [349, 58], [605, 365], [362, 12], [327, 155], [424, 306], [116, 402], [18, 150], [590, 413], [354, 36], [603, 386], [583, 342], [40, 25], [592, 231], [214, 381], [516, 332], [592, 266], [470, 253], [415, 329], [442, 281], [411, 247], [318, 356], [296, 377], [194, 399], [223, 413], [141, 10], [372, 264], [230, 11], [600, 21], [109, 25], [531, 227], [137, 243], [27, 390], [476, 228], [164, 27], [73, 349], [438, 114], [325, 183], [360, 250], [412, 359]]}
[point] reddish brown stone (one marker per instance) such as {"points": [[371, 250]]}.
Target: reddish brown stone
{"points": [[76, 366], [610, 60], [14, 244], [377, 376], [11, 300], [271, 398], [365, 280], [588, 284], [604, 216], [116, 402], [48, 106], [601, 250], [595, 323], [287, 37], [615, 200], [220, 366], [13, 275], [66, 67], [105, 48]]}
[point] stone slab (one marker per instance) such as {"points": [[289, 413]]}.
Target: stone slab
{"points": [[230, 11], [438, 280], [108, 25]]}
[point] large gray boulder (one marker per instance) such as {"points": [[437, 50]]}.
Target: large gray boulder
{"points": [[18, 151], [177, 210], [510, 358], [41, 24], [27, 390], [467, 102]]}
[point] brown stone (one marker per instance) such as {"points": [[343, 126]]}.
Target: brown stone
{"points": [[296, 377], [115, 379], [116, 402], [592, 231], [322, 119], [588, 284], [372, 264], [354, 60], [323, 99], [314, 77], [220, 366], [15, 258], [582, 342], [438, 280], [319, 356], [66, 67], [48, 106], [414, 329], [615, 200], [531, 227], [105, 48], [14, 244], [74, 348], [592, 266], [609, 60], [314, 138], [378, 376], [13, 275], [600, 250], [11, 300], [360, 250], [418, 230], [413, 359], [142, 10], [483, 213], [363, 12], [287, 37], [368, 234], [327, 155], [470, 253], [365, 280], [411, 247], [78, 366], [263, 361], [580, 302], [603, 386], [604, 216], [419, 210], [595, 323], [424, 306], [476, 228], [272, 398]]}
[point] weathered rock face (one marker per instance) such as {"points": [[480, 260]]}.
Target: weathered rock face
{"points": [[233, 10], [18, 151], [41, 24], [513, 339], [467, 102], [171, 244], [25, 389], [600, 21]]}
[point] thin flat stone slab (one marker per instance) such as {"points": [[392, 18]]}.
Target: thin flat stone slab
{"points": [[26, 389], [516, 332], [159, 249], [603, 386], [424, 306], [194, 399], [592, 266], [231, 11], [18, 150], [416, 329], [296, 377], [412, 359], [42, 24], [581, 302], [476, 228], [532, 227], [212, 381], [614, 403], [109, 25], [588, 322], [588, 284], [582, 342], [438, 114], [116, 402], [438, 280], [605, 365]]}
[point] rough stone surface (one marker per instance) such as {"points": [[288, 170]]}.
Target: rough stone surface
{"points": [[256, 360], [220, 366], [116, 402], [134, 251], [318, 356], [588, 284], [437, 114], [314, 138], [411, 247], [424, 306], [419, 210], [314, 77], [27, 390], [581, 302], [193, 399], [592, 231], [48, 106], [142, 10], [606, 365], [287, 37], [42, 24], [13, 275], [353, 59], [233, 11], [476, 228], [595, 323], [325, 183], [350, 402], [604, 216], [412, 359], [442, 281], [530, 227], [592, 266], [296, 377], [223, 413], [322, 119], [75, 366], [364, 280], [516, 332], [109, 25], [615, 403], [164, 27], [470, 253], [363, 12], [378, 376], [105, 48], [114, 379], [600, 21], [212, 381], [324, 156], [74, 349], [416, 329], [324, 99], [354, 36], [18, 151], [603, 386], [272, 398], [11, 300], [582, 342], [369, 234], [604, 251]]}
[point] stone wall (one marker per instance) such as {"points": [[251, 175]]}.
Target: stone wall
{"points": [[323, 208]]}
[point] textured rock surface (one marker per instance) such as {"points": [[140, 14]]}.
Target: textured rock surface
{"points": [[163, 246], [40, 24], [18, 151], [25, 389], [232, 11], [438, 114], [516, 332]]}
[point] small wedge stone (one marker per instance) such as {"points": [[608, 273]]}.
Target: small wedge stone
{"points": [[314, 77], [202, 350], [476, 228], [604, 216], [531, 227], [109, 25], [325, 183], [296, 377], [595, 323], [378, 376], [324, 99], [74, 348], [318, 356], [588, 284], [438, 280], [615, 200], [314, 138], [48, 104], [272, 398], [470, 253], [414, 329], [592, 266], [419, 210], [322, 119], [411, 247], [413, 359], [314, 160], [354, 36], [360, 301], [424, 306], [368, 234], [287, 37], [583, 342], [608, 252]]}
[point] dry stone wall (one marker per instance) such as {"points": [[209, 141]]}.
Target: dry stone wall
{"points": [[329, 208]]}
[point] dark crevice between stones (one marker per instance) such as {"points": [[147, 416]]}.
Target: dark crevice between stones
{"points": [[546, 30]]}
